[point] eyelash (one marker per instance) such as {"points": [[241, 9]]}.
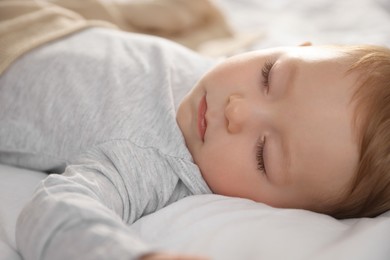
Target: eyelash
{"points": [[260, 155], [265, 71]]}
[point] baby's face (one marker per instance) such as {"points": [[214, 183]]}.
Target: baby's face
{"points": [[275, 126]]}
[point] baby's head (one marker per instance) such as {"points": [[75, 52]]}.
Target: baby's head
{"points": [[299, 127]]}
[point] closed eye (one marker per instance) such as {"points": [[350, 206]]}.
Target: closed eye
{"points": [[260, 155], [265, 71]]}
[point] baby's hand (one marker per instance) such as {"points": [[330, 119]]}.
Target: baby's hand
{"points": [[169, 256]]}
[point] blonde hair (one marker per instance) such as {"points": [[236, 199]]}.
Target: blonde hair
{"points": [[369, 194]]}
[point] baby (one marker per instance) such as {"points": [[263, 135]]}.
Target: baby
{"points": [[303, 127], [116, 115]]}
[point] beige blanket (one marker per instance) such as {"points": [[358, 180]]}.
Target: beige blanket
{"points": [[27, 24]]}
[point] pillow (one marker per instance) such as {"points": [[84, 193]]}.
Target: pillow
{"points": [[233, 228]]}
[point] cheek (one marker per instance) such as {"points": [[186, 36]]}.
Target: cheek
{"points": [[230, 170]]}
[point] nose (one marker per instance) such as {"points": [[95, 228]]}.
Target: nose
{"points": [[236, 113]]}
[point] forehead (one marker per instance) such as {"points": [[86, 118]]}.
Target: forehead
{"points": [[307, 53]]}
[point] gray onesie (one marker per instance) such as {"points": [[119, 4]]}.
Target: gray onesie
{"points": [[103, 103]]}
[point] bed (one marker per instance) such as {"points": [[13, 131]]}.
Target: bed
{"points": [[231, 228]]}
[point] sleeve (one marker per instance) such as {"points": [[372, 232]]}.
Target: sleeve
{"points": [[83, 213]]}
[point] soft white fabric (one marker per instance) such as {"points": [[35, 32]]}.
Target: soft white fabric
{"points": [[226, 228], [16, 188]]}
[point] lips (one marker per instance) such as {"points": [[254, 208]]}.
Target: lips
{"points": [[202, 123]]}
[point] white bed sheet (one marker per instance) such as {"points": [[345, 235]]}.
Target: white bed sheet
{"points": [[16, 187]]}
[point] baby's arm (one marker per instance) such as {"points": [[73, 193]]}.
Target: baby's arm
{"points": [[77, 215], [82, 214]]}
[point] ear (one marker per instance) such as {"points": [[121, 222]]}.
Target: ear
{"points": [[305, 44]]}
